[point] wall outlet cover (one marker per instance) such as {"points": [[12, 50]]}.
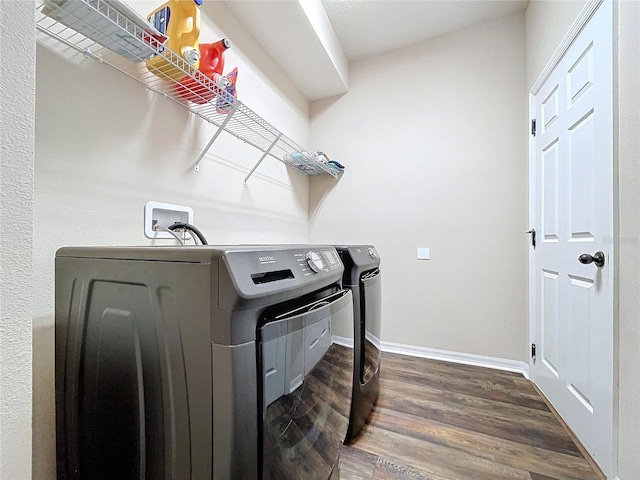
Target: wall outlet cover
{"points": [[423, 253]]}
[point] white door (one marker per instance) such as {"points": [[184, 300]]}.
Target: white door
{"points": [[572, 196]]}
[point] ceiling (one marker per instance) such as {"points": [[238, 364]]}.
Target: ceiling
{"points": [[369, 27], [313, 41]]}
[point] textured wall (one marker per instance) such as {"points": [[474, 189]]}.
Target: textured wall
{"points": [[629, 240], [17, 119], [434, 137]]}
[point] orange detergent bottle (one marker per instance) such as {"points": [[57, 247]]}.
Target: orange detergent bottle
{"points": [[211, 66], [180, 21]]}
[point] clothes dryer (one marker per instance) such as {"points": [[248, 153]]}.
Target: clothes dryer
{"points": [[362, 276], [201, 362]]}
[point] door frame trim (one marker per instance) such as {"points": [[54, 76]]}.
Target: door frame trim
{"points": [[583, 18], [576, 28]]}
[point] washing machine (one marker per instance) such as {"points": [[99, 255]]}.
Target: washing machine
{"points": [[362, 277], [201, 362]]}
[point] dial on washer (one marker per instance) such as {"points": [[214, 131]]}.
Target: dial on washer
{"points": [[316, 262]]}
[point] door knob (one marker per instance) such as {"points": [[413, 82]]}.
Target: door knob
{"points": [[597, 258]]}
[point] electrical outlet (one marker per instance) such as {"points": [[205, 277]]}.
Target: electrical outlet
{"points": [[164, 215]]}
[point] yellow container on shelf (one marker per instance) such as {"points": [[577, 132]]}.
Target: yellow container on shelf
{"points": [[180, 21]]}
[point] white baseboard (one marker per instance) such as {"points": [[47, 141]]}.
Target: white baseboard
{"points": [[344, 341], [457, 357]]}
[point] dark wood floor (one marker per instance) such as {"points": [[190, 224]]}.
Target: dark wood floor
{"points": [[443, 421]]}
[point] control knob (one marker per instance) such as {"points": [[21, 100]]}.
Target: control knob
{"points": [[316, 262], [372, 252]]}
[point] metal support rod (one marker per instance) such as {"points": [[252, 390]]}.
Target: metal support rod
{"points": [[266, 152], [196, 166]]}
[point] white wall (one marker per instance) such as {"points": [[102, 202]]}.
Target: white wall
{"points": [[434, 139], [17, 118], [628, 266], [547, 24], [105, 146]]}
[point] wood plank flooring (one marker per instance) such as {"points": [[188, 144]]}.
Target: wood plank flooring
{"points": [[444, 421]]}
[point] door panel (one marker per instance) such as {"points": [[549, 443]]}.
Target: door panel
{"points": [[549, 322], [580, 75], [551, 190], [581, 138], [580, 295], [573, 210], [550, 109]]}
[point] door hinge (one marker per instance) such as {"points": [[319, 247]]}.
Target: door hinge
{"points": [[533, 237], [533, 127], [533, 351]]}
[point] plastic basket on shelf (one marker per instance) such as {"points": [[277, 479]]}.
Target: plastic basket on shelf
{"points": [[310, 163]]}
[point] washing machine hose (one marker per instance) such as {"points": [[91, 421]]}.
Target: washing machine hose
{"points": [[190, 228]]}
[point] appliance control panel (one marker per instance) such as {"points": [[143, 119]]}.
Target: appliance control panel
{"points": [[321, 260], [258, 270]]}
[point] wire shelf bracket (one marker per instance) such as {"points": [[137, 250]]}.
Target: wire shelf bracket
{"points": [[221, 128], [264, 155]]}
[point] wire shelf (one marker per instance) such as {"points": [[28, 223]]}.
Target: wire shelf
{"points": [[110, 32]]}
